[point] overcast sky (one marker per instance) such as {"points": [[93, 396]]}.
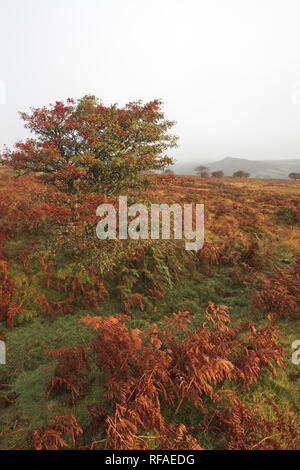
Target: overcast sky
{"points": [[228, 71]]}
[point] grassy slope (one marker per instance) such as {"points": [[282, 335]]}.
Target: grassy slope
{"points": [[28, 365]]}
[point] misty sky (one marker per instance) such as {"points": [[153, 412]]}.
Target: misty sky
{"points": [[228, 71]]}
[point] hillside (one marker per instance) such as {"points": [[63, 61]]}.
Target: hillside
{"points": [[258, 169], [141, 344]]}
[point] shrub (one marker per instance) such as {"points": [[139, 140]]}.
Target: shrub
{"points": [[202, 171], [218, 174], [294, 176], [84, 144], [241, 174]]}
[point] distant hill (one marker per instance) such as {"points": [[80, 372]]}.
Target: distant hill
{"points": [[256, 168]]}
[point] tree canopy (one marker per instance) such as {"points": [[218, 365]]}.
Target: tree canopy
{"points": [[294, 176], [241, 174], [202, 171], [82, 143], [218, 174]]}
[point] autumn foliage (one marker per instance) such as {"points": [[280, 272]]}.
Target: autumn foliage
{"points": [[88, 146], [60, 435], [148, 377], [168, 367]]}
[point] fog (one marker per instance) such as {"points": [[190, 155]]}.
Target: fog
{"points": [[228, 71]]}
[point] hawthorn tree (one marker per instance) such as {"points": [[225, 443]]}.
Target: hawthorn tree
{"points": [[241, 174], [84, 144], [294, 176], [218, 174], [202, 171]]}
